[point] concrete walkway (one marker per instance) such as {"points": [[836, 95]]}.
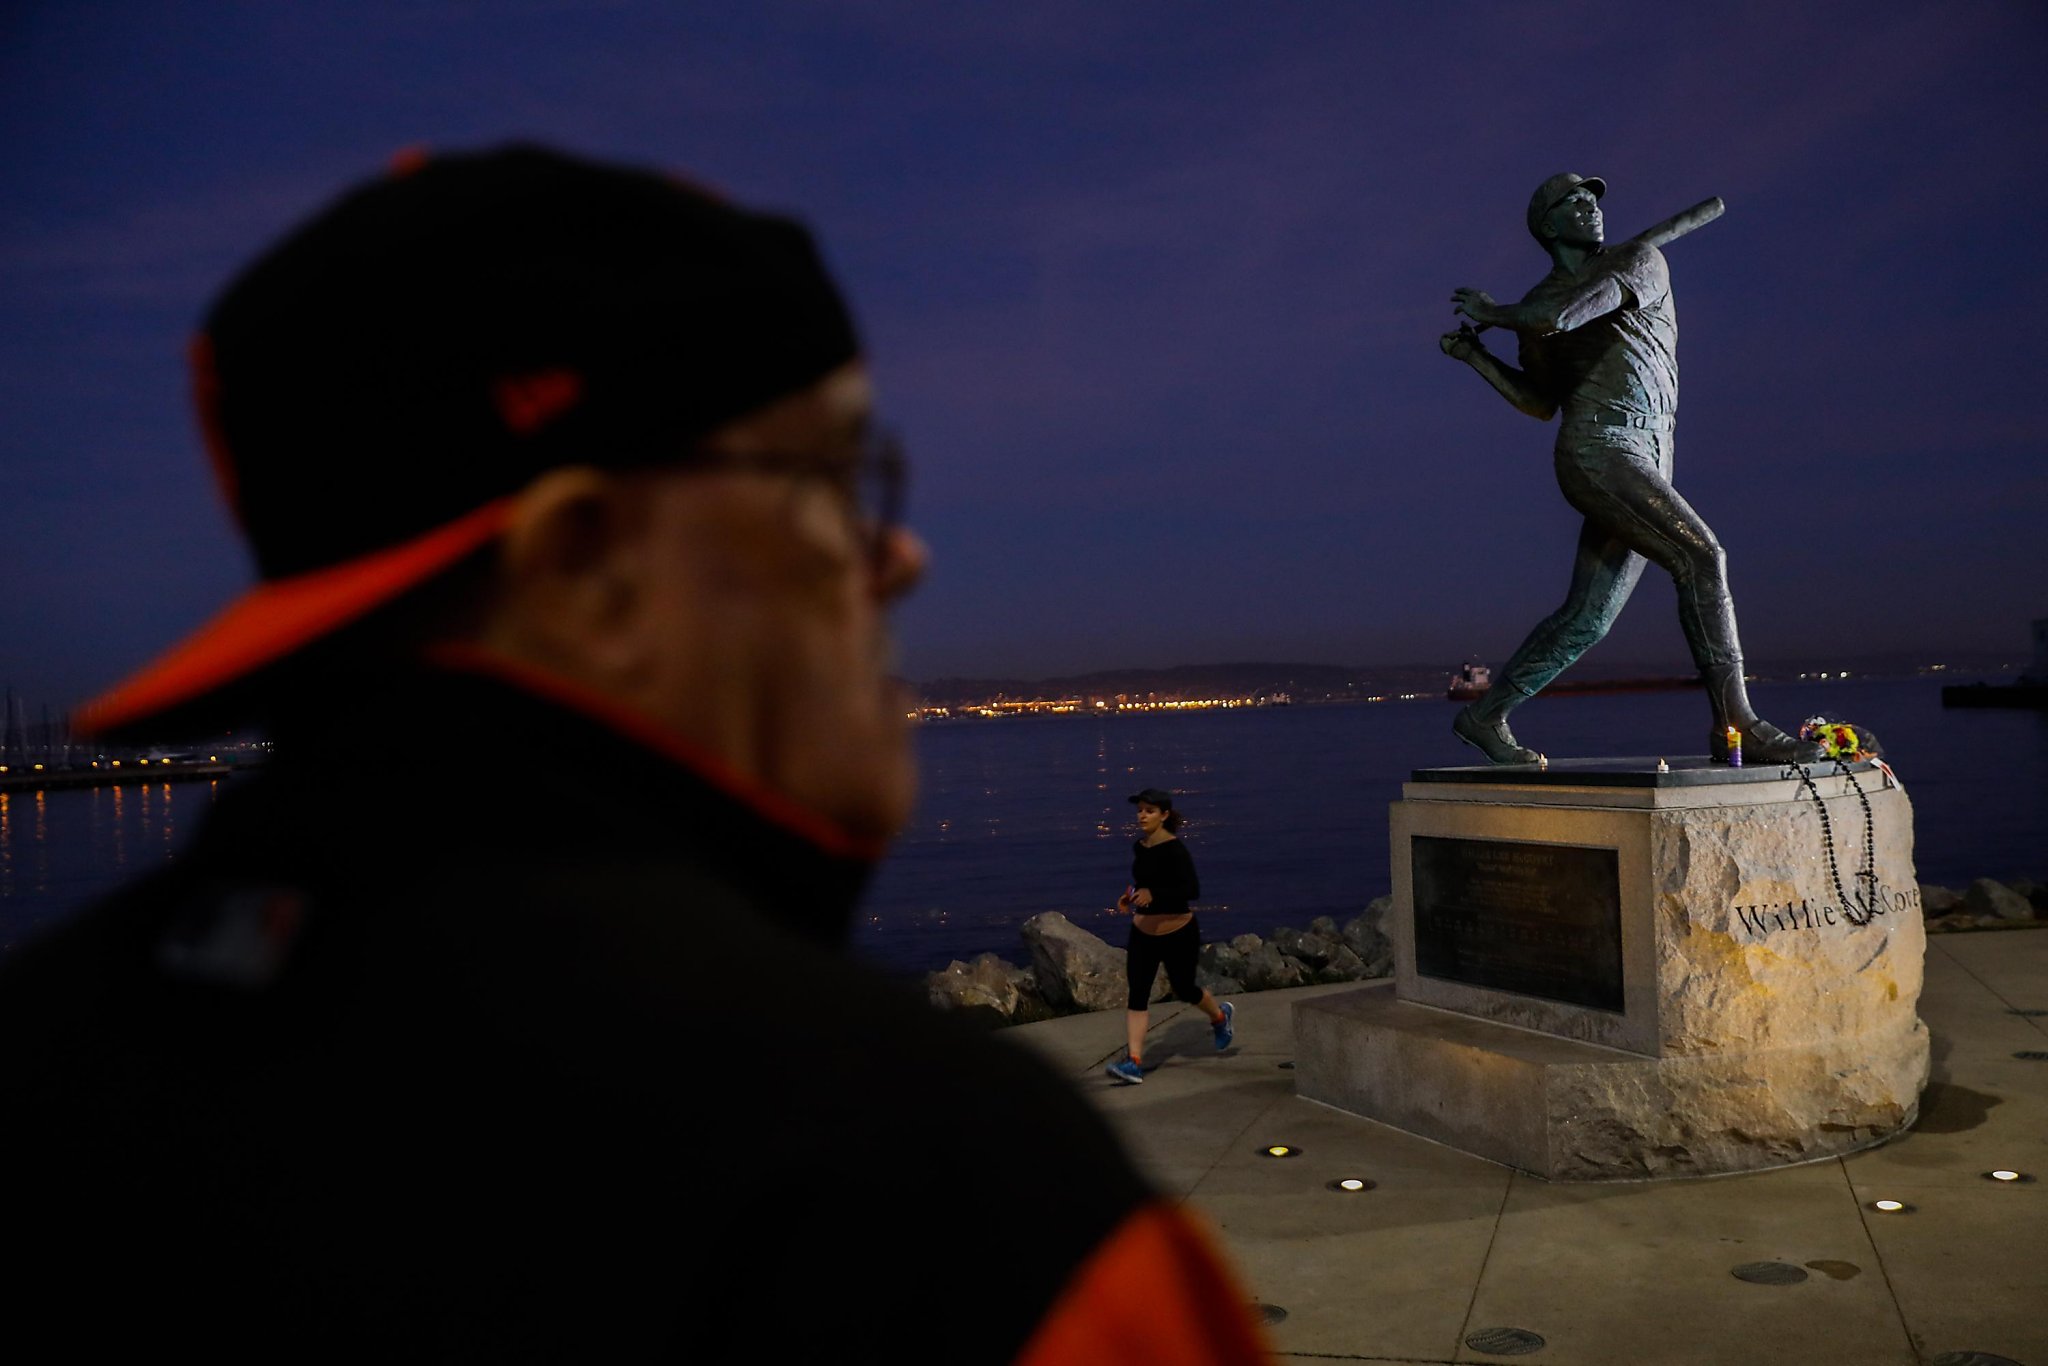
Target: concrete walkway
{"points": [[1445, 1247]]}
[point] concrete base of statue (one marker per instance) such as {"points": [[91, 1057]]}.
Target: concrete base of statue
{"points": [[1603, 971]]}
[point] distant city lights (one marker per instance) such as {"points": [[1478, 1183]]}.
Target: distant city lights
{"points": [[71, 770], [1100, 706]]}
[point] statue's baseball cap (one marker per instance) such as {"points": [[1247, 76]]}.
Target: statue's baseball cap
{"points": [[376, 388], [1552, 192], [1154, 796]]}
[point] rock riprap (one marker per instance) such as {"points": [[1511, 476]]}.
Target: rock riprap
{"points": [[1988, 904], [1072, 970]]}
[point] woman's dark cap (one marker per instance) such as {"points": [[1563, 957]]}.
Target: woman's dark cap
{"points": [[1153, 796], [375, 387]]}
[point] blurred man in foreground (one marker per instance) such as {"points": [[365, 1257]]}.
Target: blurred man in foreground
{"points": [[509, 1013]]}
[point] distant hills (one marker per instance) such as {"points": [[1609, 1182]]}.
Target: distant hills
{"points": [[1298, 682], [1304, 682]]}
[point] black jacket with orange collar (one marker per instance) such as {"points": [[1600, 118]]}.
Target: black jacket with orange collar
{"points": [[475, 1029]]}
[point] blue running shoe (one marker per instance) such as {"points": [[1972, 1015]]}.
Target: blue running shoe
{"points": [[1222, 1030], [1126, 1071]]}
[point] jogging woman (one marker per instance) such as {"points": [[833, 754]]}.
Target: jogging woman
{"points": [[1163, 929]]}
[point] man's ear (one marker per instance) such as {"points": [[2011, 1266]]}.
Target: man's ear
{"points": [[570, 564]]}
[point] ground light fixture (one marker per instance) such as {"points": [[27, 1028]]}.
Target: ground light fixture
{"points": [[1890, 1207], [2007, 1174], [1352, 1185], [1279, 1150]]}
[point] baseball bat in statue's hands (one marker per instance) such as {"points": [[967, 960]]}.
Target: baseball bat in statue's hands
{"points": [[1670, 230], [1679, 224]]}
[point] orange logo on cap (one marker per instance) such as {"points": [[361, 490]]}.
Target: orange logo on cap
{"points": [[529, 402]]}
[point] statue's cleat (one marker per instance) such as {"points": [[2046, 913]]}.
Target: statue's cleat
{"points": [[1492, 738], [1764, 743]]}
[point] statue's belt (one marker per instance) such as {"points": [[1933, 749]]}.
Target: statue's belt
{"points": [[1661, 422]]}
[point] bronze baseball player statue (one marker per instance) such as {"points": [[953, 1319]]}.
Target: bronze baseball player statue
{"points": [[1599, 342]]}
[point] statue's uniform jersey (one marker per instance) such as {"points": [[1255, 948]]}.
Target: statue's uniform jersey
{"points": [[1624, 362]]}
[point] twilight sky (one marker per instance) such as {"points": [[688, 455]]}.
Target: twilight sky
{"points": [[1151, 290]]}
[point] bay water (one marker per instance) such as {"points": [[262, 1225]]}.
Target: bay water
{"points": [[1286, 808]]}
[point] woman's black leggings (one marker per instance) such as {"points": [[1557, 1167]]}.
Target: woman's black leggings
{"points": [[1178, 951]]}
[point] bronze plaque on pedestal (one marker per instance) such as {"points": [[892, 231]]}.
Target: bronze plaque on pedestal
{"points": [[1538, 919]]}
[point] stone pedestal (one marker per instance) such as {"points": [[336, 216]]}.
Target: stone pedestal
{"points": [[1603, 971]]}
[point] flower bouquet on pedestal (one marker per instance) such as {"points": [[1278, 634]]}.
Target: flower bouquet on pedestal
{"points": [[1840, 739]]}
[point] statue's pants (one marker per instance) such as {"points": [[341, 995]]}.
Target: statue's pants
{"points": [[1621, 479]]}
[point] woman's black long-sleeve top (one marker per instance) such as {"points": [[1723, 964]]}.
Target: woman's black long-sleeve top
{"points": [[1168, 871]]}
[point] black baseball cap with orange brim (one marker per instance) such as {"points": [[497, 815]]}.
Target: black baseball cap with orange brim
{"points": [[376, 389]]}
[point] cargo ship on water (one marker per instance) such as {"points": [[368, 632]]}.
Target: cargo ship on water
{"points": [[2031, 691], [1470, 682]]}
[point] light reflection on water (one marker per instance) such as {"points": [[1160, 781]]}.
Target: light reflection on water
{"points": [[120, 826], [42, 882], [61, 849], [1287, 809]]}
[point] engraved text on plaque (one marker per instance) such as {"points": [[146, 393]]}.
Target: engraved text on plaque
{"points": [[1538, 919]]}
